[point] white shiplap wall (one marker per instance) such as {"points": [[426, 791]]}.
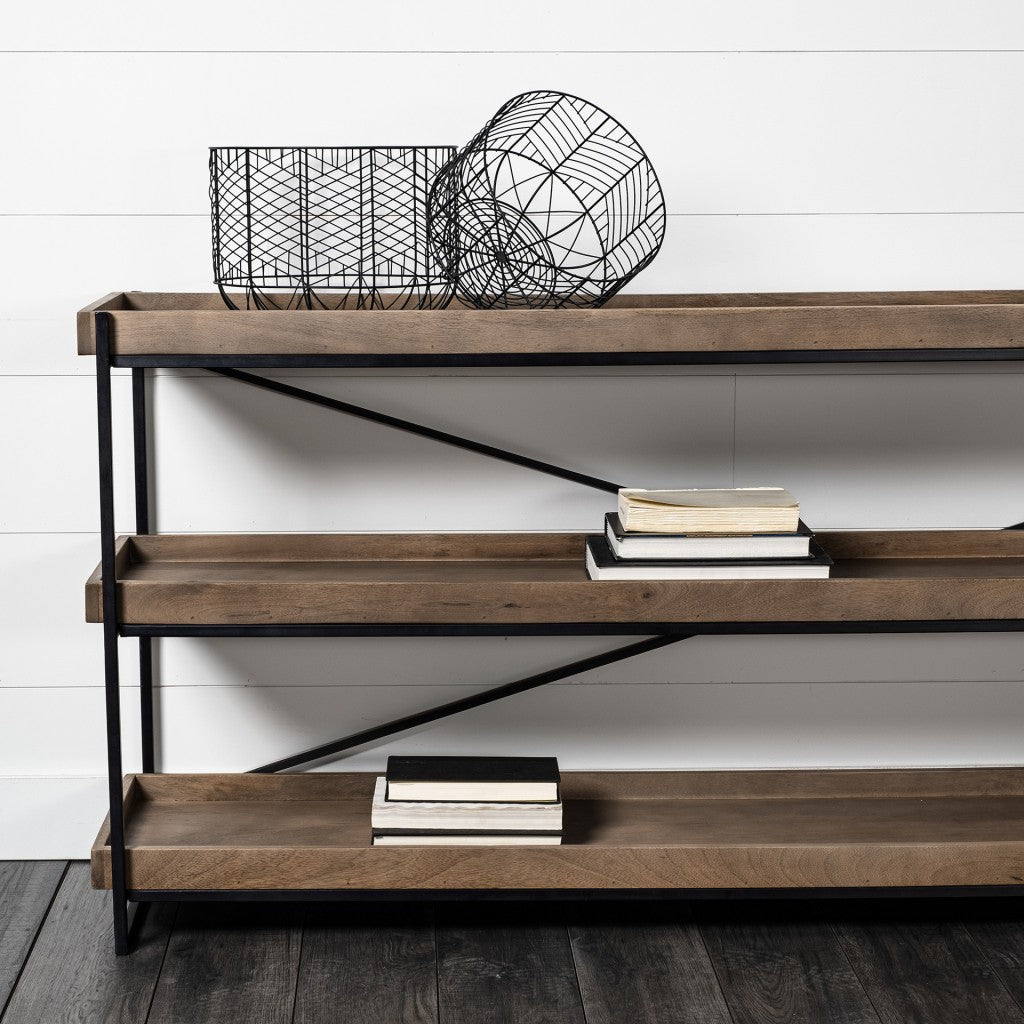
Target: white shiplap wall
{"points": [[802, 146]]}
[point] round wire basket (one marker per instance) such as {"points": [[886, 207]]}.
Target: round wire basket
{"points": [[552, 204]]}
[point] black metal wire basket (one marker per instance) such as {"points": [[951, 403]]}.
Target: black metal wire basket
{"points": [[326, 228], [552, 204]]}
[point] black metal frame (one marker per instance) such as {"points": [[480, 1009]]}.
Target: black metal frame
{"points": [[1001, 892], [664, 633], [725, 358]]}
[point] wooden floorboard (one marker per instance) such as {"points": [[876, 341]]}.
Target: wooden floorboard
{"points": [[73, 975], [744, 962], [919, 964], [997, 929], [780, 963], [505, 963], [230, 962], [26, 889], [377, 961], [643, 962]]}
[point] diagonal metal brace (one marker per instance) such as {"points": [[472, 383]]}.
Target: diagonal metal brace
{"points": [[417, 428], [357, 739]]}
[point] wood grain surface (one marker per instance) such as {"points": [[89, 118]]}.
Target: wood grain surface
{"points": [[997, 929], [26, 889], [248, 836], [238, 963], [483, 579], [145, 323], [73, 976], [505, 964], [782, 965], [645, 962], [918, 966], [375, 960], [780, 961]]}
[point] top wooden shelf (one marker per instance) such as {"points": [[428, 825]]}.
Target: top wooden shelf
{"points": [[167, 328]]}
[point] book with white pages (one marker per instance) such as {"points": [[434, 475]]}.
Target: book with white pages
{"points": [[603, 565], [480, 817], [467, 840], [709, 510], [703, 545]]}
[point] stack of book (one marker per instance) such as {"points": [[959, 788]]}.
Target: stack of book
{"points": [[735, 533], [468, 801]]}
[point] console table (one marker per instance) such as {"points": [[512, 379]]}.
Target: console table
{"points": [[268, 835]]}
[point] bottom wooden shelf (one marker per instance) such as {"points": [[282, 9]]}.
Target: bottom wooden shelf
{"points": [[623, 830]]}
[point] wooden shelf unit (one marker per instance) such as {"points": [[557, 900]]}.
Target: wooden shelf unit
{"points": [[623, 830], [254, 836]]}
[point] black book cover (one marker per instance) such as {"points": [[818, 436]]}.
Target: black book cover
{"points": [[604, 556], [472, 769]]}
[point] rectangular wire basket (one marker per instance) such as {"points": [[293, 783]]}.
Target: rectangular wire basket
{"points": [[326, 227]]}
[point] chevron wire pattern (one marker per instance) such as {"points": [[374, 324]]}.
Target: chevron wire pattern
{"points": [[326, 227]]}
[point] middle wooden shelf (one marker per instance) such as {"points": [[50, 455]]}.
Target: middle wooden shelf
{"points": [[519, 580]]}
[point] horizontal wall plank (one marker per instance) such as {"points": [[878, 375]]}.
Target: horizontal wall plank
{"points": [[642, 726], [893, 452], [265, 459], [530, 25], [43, 598], [727, 132], [43, 346], [50, 818], [46, 640], [475, 661], [701, 254], [63, 732], [162, 252], [48, 463], [859, 451]]}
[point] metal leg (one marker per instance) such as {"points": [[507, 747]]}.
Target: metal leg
{"points": [[140, 436], [111, 668], [146, 704], [140, 433]]}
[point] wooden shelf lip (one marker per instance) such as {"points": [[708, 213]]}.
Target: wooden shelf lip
{"points": [[623, 830], [518, 579], [629, 328]]}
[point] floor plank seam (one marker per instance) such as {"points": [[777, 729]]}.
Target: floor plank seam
{"points": [[995, 968], [575, 965], [163, 960], [688, 910], [304, 920], [855, 972], [35, 938], [437, 965]]}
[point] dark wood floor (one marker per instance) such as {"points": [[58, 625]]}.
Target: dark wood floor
{"points": [[749, 962]]}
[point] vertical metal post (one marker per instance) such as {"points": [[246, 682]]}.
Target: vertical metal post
{"points": [[140, 436], [111, 668]]}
